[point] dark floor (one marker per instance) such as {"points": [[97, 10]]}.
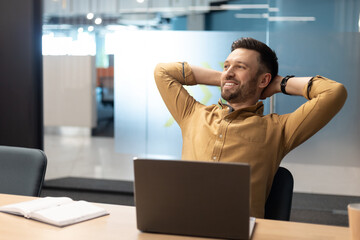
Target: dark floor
{"points": [[310, 208], [93, 190], [320, 208]]}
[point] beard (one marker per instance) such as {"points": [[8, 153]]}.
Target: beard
{"points": [[241, 93]]}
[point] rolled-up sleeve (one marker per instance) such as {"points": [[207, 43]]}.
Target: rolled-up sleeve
{"points": [[170, 78], [326, 98]]}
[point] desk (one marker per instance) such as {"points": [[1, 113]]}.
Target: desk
{"points": [[121, 224]]}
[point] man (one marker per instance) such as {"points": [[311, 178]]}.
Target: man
{"points": [[238, 131]]}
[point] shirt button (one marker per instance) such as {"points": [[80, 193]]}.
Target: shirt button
{"points": [[220, 136], [214, 157]]}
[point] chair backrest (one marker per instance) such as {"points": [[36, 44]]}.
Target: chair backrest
{"points": [[278, 204], [22, 170]]}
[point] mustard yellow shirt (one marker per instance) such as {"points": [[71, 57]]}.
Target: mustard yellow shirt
{"points": [[213, 133]]}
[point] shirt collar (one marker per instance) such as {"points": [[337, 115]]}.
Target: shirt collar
{"points": [[258, 108]]}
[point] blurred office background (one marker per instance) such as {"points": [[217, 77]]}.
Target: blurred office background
{"points": [[101, 107]]}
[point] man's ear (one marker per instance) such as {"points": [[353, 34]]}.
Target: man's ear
{"points": [[265, 79]]}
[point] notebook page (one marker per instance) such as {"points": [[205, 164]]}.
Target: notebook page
{"points": [[25, 208], [76, 211]]}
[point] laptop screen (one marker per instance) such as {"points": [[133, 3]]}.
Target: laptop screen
{"points": [[196, 198]]}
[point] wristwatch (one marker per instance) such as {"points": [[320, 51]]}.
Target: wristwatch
{"points": [[284, 82]]}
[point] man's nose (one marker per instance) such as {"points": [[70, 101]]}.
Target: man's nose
{"points": [[229, 72]]}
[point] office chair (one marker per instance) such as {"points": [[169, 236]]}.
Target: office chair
{"points": [[22, 170], [278, 204], [105, 80], [107, 91]]}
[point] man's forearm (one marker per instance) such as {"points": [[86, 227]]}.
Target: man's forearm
{"points": [[294, 86], [206, 76]]}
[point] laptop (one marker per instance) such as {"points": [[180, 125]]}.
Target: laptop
{"points": [[193, 198]]}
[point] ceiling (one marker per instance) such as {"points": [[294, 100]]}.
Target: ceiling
{"points": [[124, 11]]}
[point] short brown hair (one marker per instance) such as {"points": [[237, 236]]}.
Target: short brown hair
{"points": [[268, 58]]}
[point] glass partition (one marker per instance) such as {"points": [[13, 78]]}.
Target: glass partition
{"points": [[324, 40], [125, 39], [143, 125], [321, 37]]}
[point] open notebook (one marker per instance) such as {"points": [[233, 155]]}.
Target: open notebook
{"points": [[193, 198], [58, 211]]}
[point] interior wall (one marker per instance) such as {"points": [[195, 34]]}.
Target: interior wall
{"points": [[21, 120], [329, 161]]}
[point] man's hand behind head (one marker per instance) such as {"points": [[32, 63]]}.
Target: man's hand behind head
{"points": [[272, 88]]}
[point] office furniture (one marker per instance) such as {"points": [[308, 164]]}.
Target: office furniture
{"points": [[22, 170], [107, 92], [278, 204], [105, 80], [121, 224], [70, 91]]}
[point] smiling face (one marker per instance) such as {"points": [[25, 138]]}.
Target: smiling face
{"points": [[239, 80]]}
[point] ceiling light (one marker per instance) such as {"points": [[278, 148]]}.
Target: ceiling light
{"points": [[291, 19], [250, 15], [90, 16], [275, 18], [274, 9], [140, 1], [98, 21], [244, 6], [80, 30], [90, 28]]}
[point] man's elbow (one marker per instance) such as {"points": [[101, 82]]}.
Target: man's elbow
{"points": [[162, 72], [341, 94], [159, 70], [337, 98]]}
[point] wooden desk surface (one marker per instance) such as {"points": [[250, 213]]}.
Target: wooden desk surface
{"points": [[121, 224]]}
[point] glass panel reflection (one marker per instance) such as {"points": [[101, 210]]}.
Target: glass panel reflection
{"points": [[143, 125]]}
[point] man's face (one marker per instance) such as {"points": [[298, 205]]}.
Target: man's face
{"points": [[238, 79]]}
